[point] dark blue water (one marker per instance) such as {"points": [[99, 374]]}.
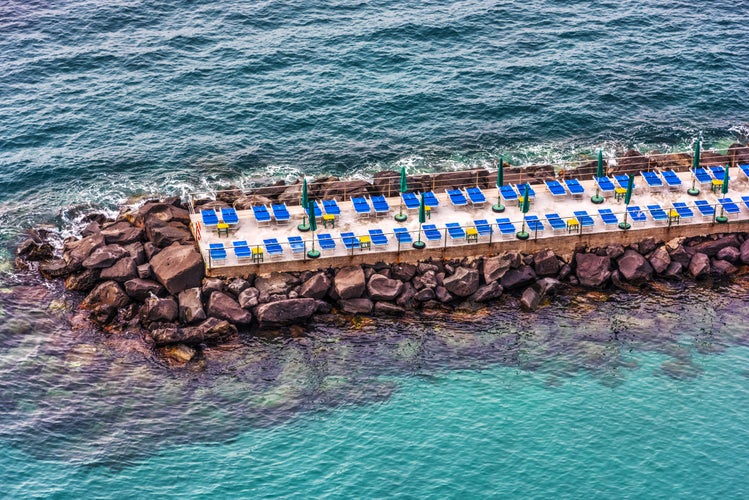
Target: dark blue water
{"points": [[104, 101]]}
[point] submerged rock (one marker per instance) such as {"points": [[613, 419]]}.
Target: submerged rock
{"points": [[285, 312], [211, 330]]}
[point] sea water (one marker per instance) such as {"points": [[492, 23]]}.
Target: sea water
{"points": [[632, 395]]}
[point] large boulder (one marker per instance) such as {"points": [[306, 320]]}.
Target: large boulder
{"points": [[545, 263], [222, 306], [178, 267], [316, 287], [108, 293], [191, 306], [403, 272], [285, 312], [427, 280], [122, 271], [634, 268], [712, 247], [531, 298], [722, 268], [516, 278], [592, 270], [744, 252], [137, 251], [75, 252], [488, 292], [156, 310], [349, 283], [164, 235], [104, 257], [121, 233], [276, 283], [249, 298], [424, 294], [83, 281], [731, 254], [388, 309], [140, 289], [496, 267], [699, 266], [356, 306], [211, 330], [660, 260], [383, 288], [35, 250], [463, 283]]}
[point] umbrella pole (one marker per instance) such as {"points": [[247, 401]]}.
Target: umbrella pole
{"points": [[523, 235], [498, 208], [597, 198], [313, 254], [303, 227], [418, 243], [624, 224], [722, 219], [400, 216], [693, 191]]}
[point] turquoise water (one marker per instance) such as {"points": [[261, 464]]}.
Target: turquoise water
{"points": [[635, 395]]}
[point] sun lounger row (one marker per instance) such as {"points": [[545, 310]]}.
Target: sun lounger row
{"points": [[211, 218], [571, 186], [512, 193], [461, 198], [412, 200]]}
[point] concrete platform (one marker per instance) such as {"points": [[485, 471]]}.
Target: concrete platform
{"points": [[544, 203]]}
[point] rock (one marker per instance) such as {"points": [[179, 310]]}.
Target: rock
{"points": [[76, 252], [137, 252], [383, 288], [673, 271], [634, 268], [121, 233], [247, 202], [548, 286], [646, 246], [151, 250], [191, 306], [388, 309], [424, 294], [496, 267], [592, 270], [744, 250], [82, 282], [487, 292], [180, 353], [323, 307], [463, 283], [285, 312], [276, 283], [164, 235], [211, 285], [403, 272], [712, 247], [178, 267], [109, 293], [222, 306], [237, 286], [103, 314], [545, 263], [722, 268], [441, 294], [55, 268], [122, 271], [633, 162], [92, 227], [681, 255], [104, 257], [699, 266], [349, 283], [356, 306], [35, 251], [140, 289], [738, 153], [424, 267], [156, 310], [564, 271], [516, 278], [660, 260], [144, 271], [406, 299], [614, 251], [730, 254], [316, 287], [210, 330], [428, 280], [249, 298], [531, 298], [346, 189]]}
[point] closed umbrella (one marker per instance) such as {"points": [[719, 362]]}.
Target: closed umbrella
{"points": [[723, 189], [500, 182], [422, 218], [312, 254], [400, 216], [627, 197], [695, 165], [304, 226], [599, 173], [523, 235]]}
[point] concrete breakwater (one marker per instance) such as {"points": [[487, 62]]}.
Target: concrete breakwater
{"points": [[141, 274]]}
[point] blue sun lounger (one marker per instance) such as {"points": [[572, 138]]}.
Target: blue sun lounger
{"points": [[331, 207], [672, 179], [281, 213], [210, 219], [505, 226], [623, 180], [380, 205], [262, 216], [576, 189], [457, 198], [430, 200], [241, 249], [378, 238], [636, 214], [229, 216], [657, 213], [745, 199], [361, 206], [350, 241], [476, 196], [455, 231], [534, 223], [718, 172], [520, 188], [704, 208], [217, 251], [683, 210], [326, 241], [431, 233], [702, 175], [652, 179], [555, 188], [584, 218], [608, 217], [273, 247], [508, 193], [556, 222], [605, 184], [744, 169], [318, 211], [402, 235], [729, 206], [296, 243], [483, 227], [411, 201]]}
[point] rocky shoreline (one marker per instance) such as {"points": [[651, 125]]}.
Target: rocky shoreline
{"points": [[142, 274]]}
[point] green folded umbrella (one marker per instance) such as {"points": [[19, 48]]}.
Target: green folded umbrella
{"points": [[696, 159], [630, 185], [599, 172]]}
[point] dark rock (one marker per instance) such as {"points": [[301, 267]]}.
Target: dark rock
{"points": [[103, 314], [285, 312], [463, 283], [122, 271], [633, 162], [144, 271], [614, 251], [441, 293], [346, 189], [92, 227], [137, 252], [424, 294], [564, 271], [592, 270], [121, 233], [496, 267], [356, 306], [35, 251], [211, 330], [56, 268], [383, 288], [83, 281], [211, 285], [738, 153], [744, 249], [349, 283], [712, 247], [323, 307], [487, 292], [156, 310], [545, 263], [730, 254], [315, 287], [516, 278], [673, 270], [109, 292], [424, 267], [140, 289], [646, 246], [191, 306], [403, 272], [427, 280], [104, 257], [249, 298], [660, 260], [699, 266], [222, 306], [680, 255], [388, 309], [634, 268], [167, 234], [406, 298], [722, 268], [237, 286], [179, 353], [531, 298], [76, 252], [150, 249], [178, 267], [276, 283]]}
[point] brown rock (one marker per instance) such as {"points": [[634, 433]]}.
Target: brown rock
{"points": [[180, 353], [463, 283], [403, 272], [140, 289], [222, 306], [285, 312], [249, 298], [545, 263], [383, 288], [211, 330], [121, 233], [722, 268], [316, 287], [104, 257], [56, 268], [496, 267], [424, 294], [660, 260], [191, 306], [276, 283], [349, 283], [156, 310], [356, 306], [76, 252], [634, 268], [712, 247], [35, 251], [164, 235], [487, 292], [83, 281], [516, 278], [178, 267], [109, 293], [388, 309], [592, 270], [122, 271], [699, 266]]}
